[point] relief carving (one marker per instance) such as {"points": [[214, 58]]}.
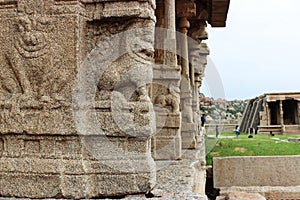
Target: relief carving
{"points": [[168, 100], [32, 61], [133, 69], [126, 76], [197, 30], [186, 8]]}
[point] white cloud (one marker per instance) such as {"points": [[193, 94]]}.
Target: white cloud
{"points": [[258, 50]]}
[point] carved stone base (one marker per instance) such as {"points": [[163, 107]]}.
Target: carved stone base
{"points": [[74, 167], [166, 144], [188, 135]]}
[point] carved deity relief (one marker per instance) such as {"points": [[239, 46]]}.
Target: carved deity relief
{"points": [[32, 60]]}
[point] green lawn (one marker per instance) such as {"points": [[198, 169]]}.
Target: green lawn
{"points": [[259, 145]]}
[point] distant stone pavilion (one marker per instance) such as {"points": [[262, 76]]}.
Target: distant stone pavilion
{"points": [[273, 113]]}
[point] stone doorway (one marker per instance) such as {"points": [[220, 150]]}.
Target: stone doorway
{"points": [[274, 113], [290, 111]]}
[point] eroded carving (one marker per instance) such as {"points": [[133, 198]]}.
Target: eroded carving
{"points": [[125, 79], [167, 100], [135, 72], [197, 30], [33, 60], [186, 8]]}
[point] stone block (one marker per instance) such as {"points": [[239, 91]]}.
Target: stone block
{"points": [[169, 120], [166, 143], [163, 74], [138, 145], [241, 196], [188, 127], [121, 185], [188, 135], [30, 185], [77, 186], [43, 166], [256, 171], [282, 195], [167, 132], [14, 146], [166, 148]]}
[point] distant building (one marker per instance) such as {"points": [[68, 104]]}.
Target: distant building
{"points": [[273, 113]]}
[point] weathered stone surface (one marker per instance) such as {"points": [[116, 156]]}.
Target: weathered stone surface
{"points": [[256, 171], [281, 194], [76, 121], [77, 93], [182, 178], [274, 113], [241, 196], [165, 88], [269, 192]]}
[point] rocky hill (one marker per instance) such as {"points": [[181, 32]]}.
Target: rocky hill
{"points": [[221, 110]]}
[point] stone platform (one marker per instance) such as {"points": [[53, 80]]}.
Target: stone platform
{"points": [[180, 179]]}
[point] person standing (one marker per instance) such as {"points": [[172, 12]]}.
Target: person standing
{"points": [[203, 120], [237, 131], [217, 131]]}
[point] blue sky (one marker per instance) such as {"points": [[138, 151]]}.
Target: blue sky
{"points": [[258, 51]]}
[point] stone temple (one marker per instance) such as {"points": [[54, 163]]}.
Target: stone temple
{"points": [[94, 92], [276, 113]]}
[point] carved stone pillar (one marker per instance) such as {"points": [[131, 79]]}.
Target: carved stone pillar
{"points": [[166, 143], [198, 52], [183, 26], [76, 119], [198, 60], [281, 119], [268, 113], [185, 10]]}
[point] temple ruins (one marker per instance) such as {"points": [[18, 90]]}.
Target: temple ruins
{"points": [[273, 113], [94, 92]]}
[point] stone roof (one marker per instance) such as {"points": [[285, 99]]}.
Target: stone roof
{"points": [[218, 14]]}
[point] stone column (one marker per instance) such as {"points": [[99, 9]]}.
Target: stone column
{"points": [[298, 113], [166, 144], [188, 125], [76, 118], [183, 26], [185, 10], [281, 113], [267, 113], [197, 54], [199, 65]]}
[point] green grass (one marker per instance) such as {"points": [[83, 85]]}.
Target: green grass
{"points": [[260, 145]]}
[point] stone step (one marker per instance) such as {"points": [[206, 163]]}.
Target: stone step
{"points": [[268, 129]]}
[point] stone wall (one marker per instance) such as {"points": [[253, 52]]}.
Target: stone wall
{"points": [[256, 171]]}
